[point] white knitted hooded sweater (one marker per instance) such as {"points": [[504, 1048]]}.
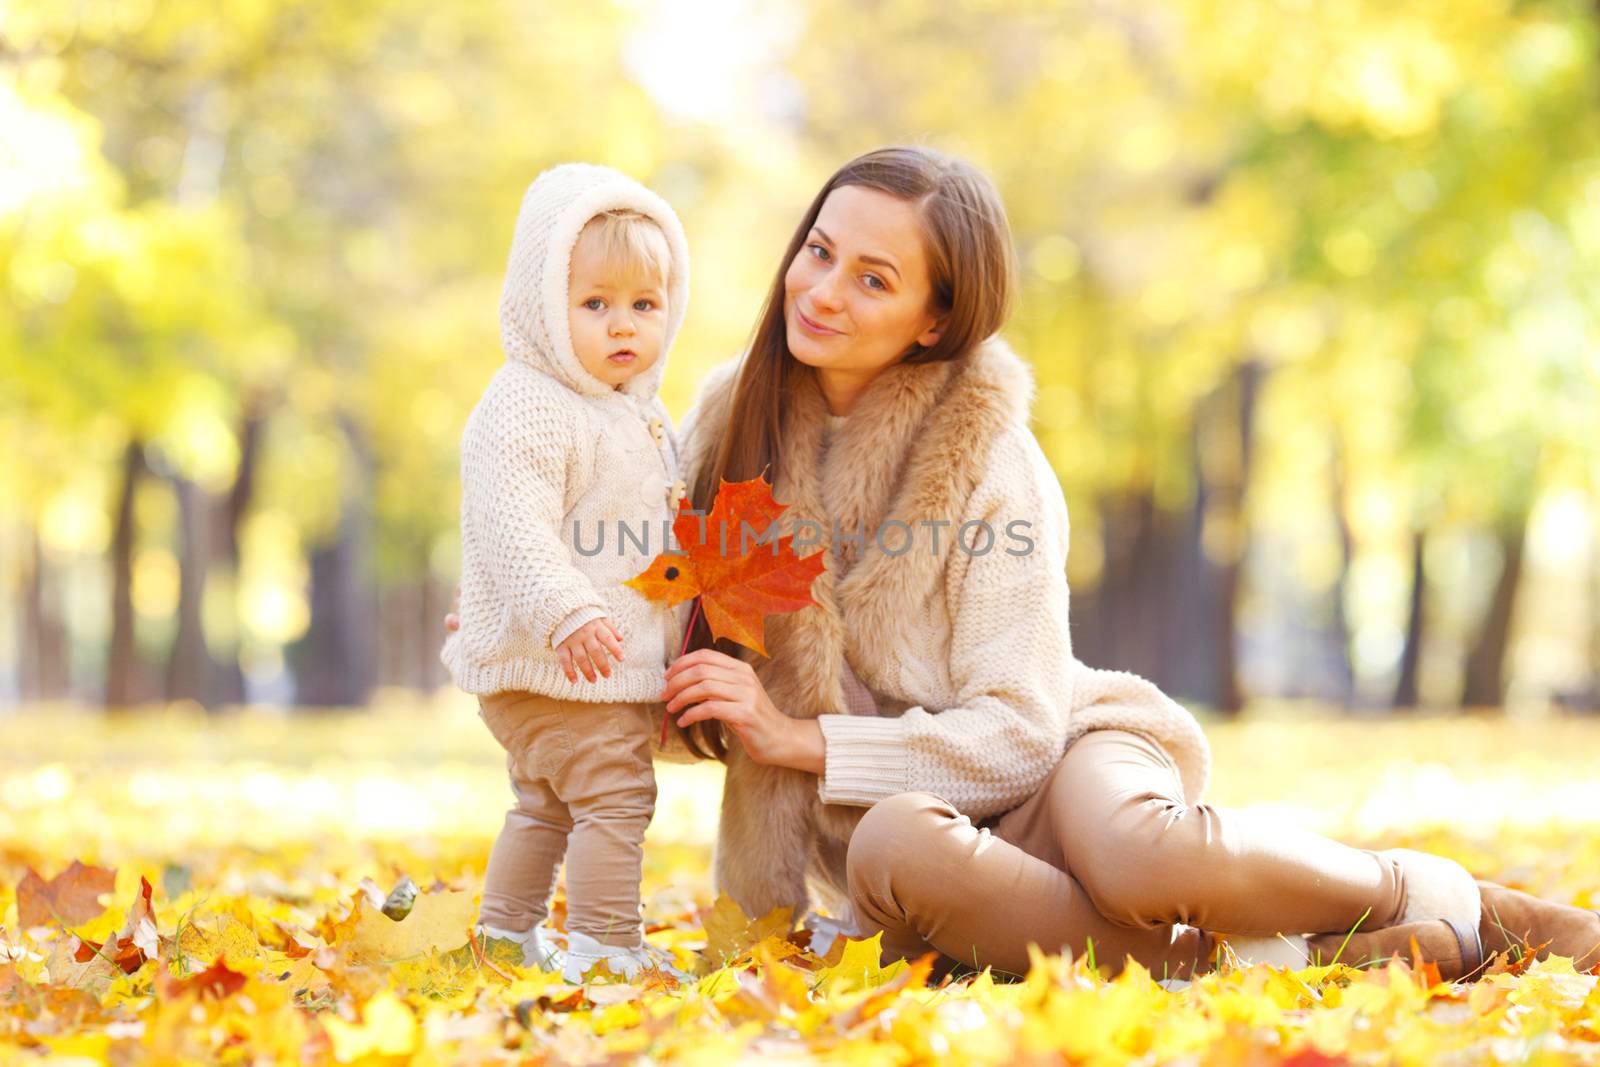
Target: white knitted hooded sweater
{"points": [[550, 448]]}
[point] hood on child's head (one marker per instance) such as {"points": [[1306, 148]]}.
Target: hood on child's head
{"points": [[533, 305]]}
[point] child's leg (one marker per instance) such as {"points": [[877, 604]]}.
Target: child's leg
{"points": [[522, 866], [610, 787], [521, 874]]}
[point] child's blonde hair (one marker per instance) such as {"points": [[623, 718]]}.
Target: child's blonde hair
{"points": [[630, 239]]}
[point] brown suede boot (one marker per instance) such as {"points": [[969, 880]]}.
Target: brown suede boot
{"points": [[1521, 923], [1513, 922], [1455, 948]]}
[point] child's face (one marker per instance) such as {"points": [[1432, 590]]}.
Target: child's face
{"points": [[618, 318]]}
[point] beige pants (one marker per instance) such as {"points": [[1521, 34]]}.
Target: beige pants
{"points": [[584, 786], [1108, 854]]}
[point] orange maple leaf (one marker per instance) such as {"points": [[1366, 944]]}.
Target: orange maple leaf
{"points": [[73, 896], [218, 982], [727, 562]]}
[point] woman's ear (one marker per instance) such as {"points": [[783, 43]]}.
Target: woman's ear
{"points": [[930, 337]]}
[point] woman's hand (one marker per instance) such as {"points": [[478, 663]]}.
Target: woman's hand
{"points": [[706, 684], [452, 621]]}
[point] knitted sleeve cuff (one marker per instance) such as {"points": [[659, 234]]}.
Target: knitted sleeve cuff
{"points": [[569, 626], [558, 601], [864, 759]]}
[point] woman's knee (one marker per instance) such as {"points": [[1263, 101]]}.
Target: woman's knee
{"points": [[1124, 827], [1130, 878], [904, 825], [1168, 855]]}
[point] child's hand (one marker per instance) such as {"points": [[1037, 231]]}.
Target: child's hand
{"points": [[587, 648]]}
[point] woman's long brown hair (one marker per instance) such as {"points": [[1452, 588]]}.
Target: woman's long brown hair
{"points": [[967, 241]]}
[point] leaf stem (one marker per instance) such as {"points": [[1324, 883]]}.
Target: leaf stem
{"points": [[694, 615]]}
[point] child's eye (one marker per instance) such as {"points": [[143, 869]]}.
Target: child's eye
{"points": [[875, 282], [818, 251], [644, 303], [594, 303]]}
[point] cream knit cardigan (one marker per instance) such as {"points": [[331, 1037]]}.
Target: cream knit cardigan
{"points": [[550, 447]]}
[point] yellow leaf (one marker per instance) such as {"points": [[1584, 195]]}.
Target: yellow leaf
{"points": [[239, 941], [1246, 1007], [293, 974], [103, 926], [718, 984], [533, 984], [387, 1028], [858, 968], [615, 1017], [729, 931], [776, 947], [206, 938], [87, 1047], [907, 976], [438, 921], [982, 986], [778, 990]]}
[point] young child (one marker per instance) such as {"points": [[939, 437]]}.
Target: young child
{"points": [[569, 444]]}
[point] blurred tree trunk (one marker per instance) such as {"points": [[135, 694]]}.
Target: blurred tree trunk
{"points": [[1339, 624], [1484, 685], [1117, 624], [1202, 657], [236, 505], [1594, 623], [411, 627], [191, 672], [1593, 701], [1406, 688], [391, 634], [435, 602], [397, 624], [123, 670], [335, 663], [42, 672]]}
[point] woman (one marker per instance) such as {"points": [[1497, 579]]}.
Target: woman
{"points": [[922, 746]]}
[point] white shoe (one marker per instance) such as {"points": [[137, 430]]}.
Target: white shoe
{"points": [[539, 948], [584, 952]]}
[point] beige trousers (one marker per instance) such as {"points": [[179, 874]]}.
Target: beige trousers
{"points": [[584, 787], [1105, 857]]}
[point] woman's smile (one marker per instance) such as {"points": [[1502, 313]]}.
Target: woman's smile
{"points": [[812, 326]]}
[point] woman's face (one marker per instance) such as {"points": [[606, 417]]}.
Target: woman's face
{"points": [[858, 296]]}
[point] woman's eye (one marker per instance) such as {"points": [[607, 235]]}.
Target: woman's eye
{"points": [[819, 251], [875, 282], [594, 303]]}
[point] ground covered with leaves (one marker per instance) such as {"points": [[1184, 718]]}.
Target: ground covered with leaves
{"points": [[260, 888]]}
